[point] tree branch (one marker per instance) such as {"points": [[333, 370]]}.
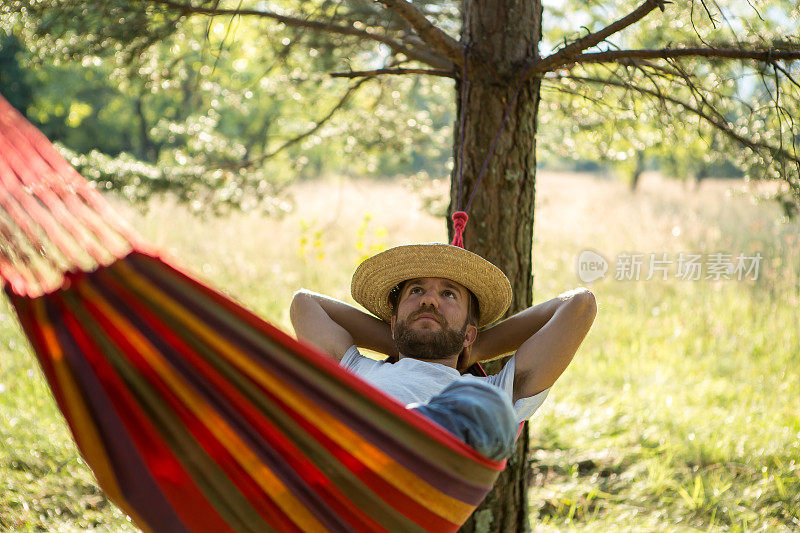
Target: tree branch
{"points": [[377, 72], [718, 123], [425, 56], [699, 94], [786, 73], [565, 55], [595, 101], [674, 73], [672, 53], [294, 140], [427, 31]]}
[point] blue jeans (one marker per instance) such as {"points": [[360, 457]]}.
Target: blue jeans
{"points": [[478, 413]]}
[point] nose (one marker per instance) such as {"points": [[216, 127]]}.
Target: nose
{"points": [[429, 299]]}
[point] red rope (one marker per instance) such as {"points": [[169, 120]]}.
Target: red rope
{"points": [[460, 219]]}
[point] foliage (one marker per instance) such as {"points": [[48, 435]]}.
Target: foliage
{"points": [[220, 112], [223, 111], [12, 76], [618, 114]]}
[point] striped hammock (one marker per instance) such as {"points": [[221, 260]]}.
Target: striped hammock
{"points": [[193, 413]]}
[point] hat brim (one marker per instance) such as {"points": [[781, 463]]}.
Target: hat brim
{"points": [[374, 279]]}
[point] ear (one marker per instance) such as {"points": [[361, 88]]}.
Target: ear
{"points": [[391, 324], [470, 334], [464, 359]]}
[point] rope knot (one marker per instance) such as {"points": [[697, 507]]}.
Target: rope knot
{"points": [[459, 223]]}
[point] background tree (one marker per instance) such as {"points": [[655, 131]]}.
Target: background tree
{"points": [[12, 75], [624, 139], [501, 59]]}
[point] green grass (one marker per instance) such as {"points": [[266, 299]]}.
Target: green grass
{"points": [[679, 413]]}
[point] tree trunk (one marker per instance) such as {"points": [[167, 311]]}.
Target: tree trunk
{"points": [[147, 148], [637, 172], [502, 36]]}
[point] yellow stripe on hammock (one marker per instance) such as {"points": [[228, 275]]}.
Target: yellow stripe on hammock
{"points": [[86, 435]]}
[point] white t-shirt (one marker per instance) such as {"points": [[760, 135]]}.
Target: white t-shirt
{"points": [[411, 381]]}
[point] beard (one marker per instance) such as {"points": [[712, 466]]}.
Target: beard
{"points": [[428, 344]]}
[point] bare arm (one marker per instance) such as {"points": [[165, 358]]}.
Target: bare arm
{"points": [[507, 336], [333, 326], [545, 338], [543, 358]]}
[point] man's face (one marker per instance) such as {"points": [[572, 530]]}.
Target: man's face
{"points": [[431, 319]]}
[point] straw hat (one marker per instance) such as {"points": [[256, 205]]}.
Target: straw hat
{"points": [[375, 278]]}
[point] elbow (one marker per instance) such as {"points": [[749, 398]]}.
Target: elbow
{"points": [[301, 294], [587, 300], [584, 304], [299, 303], [301, 297]]}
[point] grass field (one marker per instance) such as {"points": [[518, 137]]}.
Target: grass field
{"points": [[681, 412]]}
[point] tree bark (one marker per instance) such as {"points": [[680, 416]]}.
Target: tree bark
{"points": [[502, 37]]}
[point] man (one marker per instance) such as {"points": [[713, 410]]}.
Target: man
{"points": [[431, 300]]}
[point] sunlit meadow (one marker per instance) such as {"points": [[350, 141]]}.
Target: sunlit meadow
{"points": [[681, 411]]}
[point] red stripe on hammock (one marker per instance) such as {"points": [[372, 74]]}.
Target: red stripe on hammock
{"points": [[32, 330], [298, 462], [175, 482], [216, 451]]}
